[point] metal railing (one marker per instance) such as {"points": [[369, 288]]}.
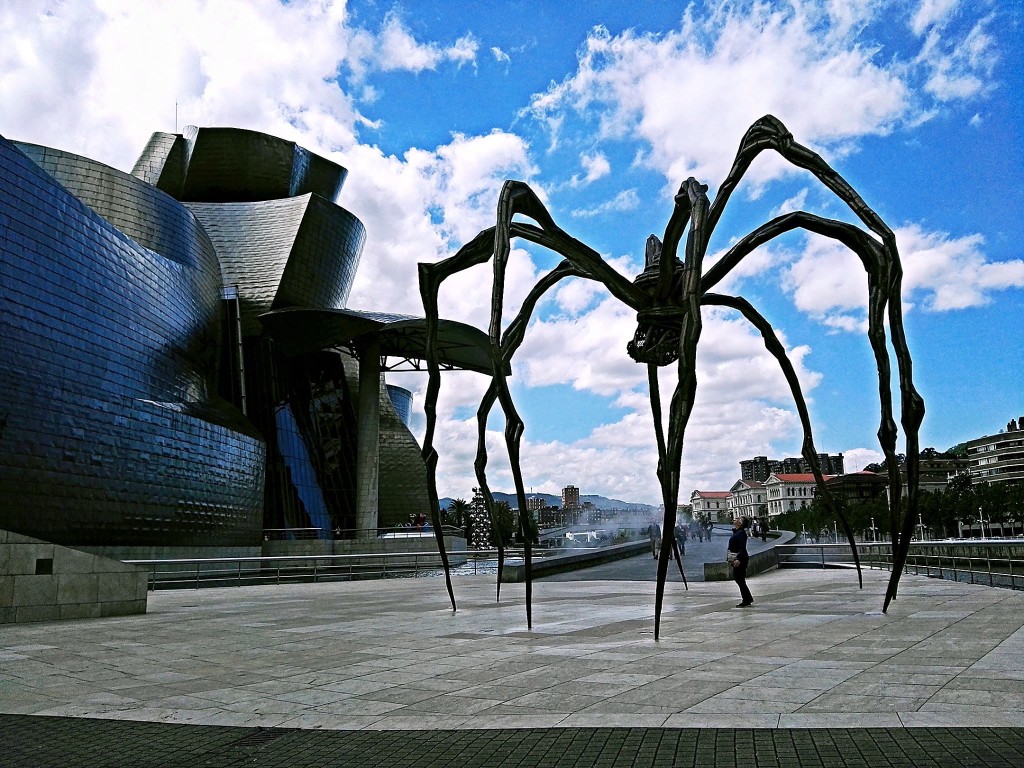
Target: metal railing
{"points": [[998, 567], [315, 534], [194, 573]]}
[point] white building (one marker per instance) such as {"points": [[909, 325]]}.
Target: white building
{"points": [[714, 503], [747, 498], [998, 458], [789, 492]]}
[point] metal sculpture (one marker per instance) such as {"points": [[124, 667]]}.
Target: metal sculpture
{"points": [[667, 297]]}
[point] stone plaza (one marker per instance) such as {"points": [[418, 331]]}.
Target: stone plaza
{"points": [[814, 659]]}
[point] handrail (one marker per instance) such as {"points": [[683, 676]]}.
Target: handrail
{"points": [[327, 534], [234, 571], [998, 567]]}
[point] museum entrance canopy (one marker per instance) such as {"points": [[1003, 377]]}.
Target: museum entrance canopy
{"points": [[402, 339]]}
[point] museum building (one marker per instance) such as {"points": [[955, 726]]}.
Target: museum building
{"points": [[178, 368]]}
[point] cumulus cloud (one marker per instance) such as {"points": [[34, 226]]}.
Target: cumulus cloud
{"points": [[689, 94], [941, 273], [397, 49], [952, 272], [959, 69]]}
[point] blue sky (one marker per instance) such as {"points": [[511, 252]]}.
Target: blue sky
{"points": [[604, 109]]}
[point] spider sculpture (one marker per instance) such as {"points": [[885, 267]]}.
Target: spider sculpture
{"points": [[667, 298]]}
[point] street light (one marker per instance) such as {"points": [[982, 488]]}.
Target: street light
{"points": [[920, 524], [874, 536]]}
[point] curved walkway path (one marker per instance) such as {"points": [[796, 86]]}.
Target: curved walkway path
{"points": [[812, 674]]}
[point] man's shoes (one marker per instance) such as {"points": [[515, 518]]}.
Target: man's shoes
{"points": [[745, 604]]}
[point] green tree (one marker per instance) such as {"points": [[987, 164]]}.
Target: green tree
{"points": [[458, 513], [504, 521]]}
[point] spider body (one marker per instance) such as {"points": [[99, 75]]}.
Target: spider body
{"points": [[667, 297]]}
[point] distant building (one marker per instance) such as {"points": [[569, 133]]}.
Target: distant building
{"points": [[858, 486], [714, 503], [936, 470], [747, 498], [534, 503], [788, 492], [570, 497], [998, 458], [761, 467]]}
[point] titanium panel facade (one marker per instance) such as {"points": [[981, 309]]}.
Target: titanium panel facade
{"points": [[141, 404], [110, 433]]}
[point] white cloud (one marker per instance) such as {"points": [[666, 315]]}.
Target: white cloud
{"points": [[596, 166], [691, 93], [500, 55], [941, 273], [626, 200], [795, 203], [952, 272], [420, 208], [729, 70], [855, 459], [959, 68], [932, 13], [464, 50], [398, 49]]}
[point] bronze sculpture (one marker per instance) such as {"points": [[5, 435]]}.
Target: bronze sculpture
{"points": [[667, 298]]}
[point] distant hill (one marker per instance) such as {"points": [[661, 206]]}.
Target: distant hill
{"points": [[550, 500]]}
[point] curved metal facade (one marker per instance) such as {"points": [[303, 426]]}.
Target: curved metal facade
{"points": [[110, 431], [141, 404]]}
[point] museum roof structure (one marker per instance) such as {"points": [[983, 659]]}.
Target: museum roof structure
{"points": [[301, 330]]}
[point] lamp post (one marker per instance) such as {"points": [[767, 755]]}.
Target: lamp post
{"points": [[981, 522], [920, 525], [874, 536], [835, 532]]}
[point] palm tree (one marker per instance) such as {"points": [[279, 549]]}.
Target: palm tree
{"points": [[457, 512]]}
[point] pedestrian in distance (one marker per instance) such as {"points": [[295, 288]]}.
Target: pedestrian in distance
{"points": [[738, 558]]}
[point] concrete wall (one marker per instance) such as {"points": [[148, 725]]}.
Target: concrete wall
{"points": [[765, 560], [573, 561], [40, 581]]}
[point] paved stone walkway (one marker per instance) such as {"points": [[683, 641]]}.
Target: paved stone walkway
{"points": [[34, 742], [392, 672]]}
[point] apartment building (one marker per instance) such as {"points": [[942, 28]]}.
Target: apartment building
{"points": [[998, 458]]}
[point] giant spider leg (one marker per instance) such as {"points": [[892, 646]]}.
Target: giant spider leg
{"points": [[516, 197], [694, 201], [669, 326], [871, 255], [659, 436], [774, 346], [430, 278], [511, 340], [770, 133]]}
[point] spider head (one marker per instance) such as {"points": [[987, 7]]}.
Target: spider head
{"points": [[657, 333]]}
